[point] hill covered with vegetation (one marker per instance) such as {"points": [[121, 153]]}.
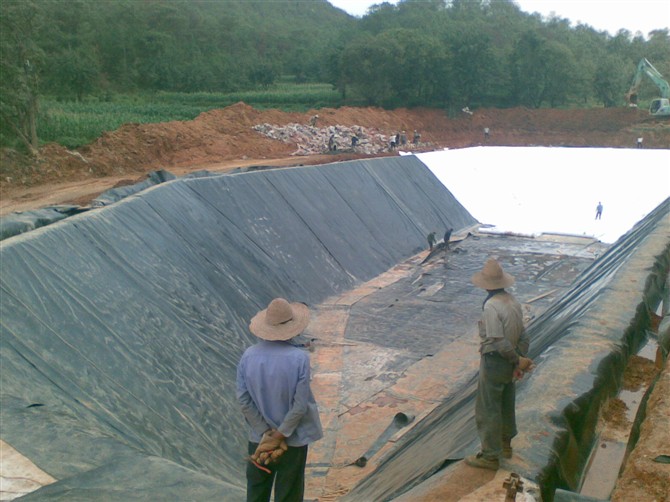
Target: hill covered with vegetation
{"points": [[429, 53]]}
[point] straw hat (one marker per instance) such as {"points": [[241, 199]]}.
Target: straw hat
{"points": [[280, 321], [492, 276]]}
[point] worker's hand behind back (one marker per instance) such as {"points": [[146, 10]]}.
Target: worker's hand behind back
{"points": [[271, 447], [525, 364]]}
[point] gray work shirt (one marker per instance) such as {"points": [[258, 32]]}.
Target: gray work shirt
{"points": [[501, 327], [274, 392]]}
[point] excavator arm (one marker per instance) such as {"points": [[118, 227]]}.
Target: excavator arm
{"points": [[644, 67]]}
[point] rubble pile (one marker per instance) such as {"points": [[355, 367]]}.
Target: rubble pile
{"points": [[312, 140]]}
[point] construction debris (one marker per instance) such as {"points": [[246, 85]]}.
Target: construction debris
{"points": [[314, 140]]}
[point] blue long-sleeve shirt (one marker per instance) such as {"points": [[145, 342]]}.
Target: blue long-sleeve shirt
{"points": [[274, 392]]}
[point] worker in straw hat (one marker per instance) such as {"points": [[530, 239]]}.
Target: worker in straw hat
{"points": [[503, 347], [274, 392]]}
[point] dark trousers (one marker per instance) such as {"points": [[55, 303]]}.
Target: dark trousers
{"points": [[494, 409], [288, 476]]}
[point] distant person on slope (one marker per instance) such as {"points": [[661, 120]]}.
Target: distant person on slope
{"points": [[447, 237], [431, 240], [599, 210], [503, 348], [274, 393]]}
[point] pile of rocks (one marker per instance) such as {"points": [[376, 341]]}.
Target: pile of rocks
{"points": [[315, 140]]}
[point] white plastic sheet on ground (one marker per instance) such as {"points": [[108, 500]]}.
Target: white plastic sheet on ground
{"points": [[531, 190]]}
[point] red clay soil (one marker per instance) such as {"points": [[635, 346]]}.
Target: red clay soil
{"points": [[645, 476], [220, 140]]}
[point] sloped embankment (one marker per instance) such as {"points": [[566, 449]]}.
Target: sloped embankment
{"points": [[122, 326]]}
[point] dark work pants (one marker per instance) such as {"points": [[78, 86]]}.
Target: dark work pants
{"points": [[288, 476], [494, 409]]}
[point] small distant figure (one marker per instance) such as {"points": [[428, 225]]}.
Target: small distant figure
{"points": [[392, 143], [431, 240], [599, 210], [313, 120], [331, 143], [486, 133], [354, 141], [639, 142], [403, 138], [417, 137], [447, 237], [397, 139]]}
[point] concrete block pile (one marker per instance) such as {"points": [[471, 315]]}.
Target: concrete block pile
{"points": [[315, 140]]}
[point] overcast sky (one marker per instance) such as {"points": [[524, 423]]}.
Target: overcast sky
{"points": [[609, 15]]}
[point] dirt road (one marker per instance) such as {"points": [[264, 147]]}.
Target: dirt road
{"points": [[81, 192]]}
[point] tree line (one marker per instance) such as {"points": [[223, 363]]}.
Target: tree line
{"points": [[433, 53]]}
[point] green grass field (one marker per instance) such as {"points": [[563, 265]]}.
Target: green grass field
{"points": [[74, 124]]}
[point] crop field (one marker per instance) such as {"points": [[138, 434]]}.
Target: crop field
{"points": [[77, 123]]}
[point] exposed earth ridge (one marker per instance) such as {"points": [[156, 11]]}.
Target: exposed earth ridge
{"points": [[223, 139]]}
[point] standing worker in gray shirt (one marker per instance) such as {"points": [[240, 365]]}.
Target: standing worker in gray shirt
{"points": [[274, 392], [503, 348]]}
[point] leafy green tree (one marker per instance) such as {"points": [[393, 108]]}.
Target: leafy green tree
{"points": [[528, 69], [657, 49], [543, 71], [560, 72], [417, 68], [366, 64], [119, 44], [20, 59], [611, 82], [397, 67], [588, 48], [620, 43], [264, 74], [333, 71], [72, 67], [73, 72], [473, 66], [381, 17]]}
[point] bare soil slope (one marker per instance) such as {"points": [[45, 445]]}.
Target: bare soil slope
{"points": [[219, 140]]}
